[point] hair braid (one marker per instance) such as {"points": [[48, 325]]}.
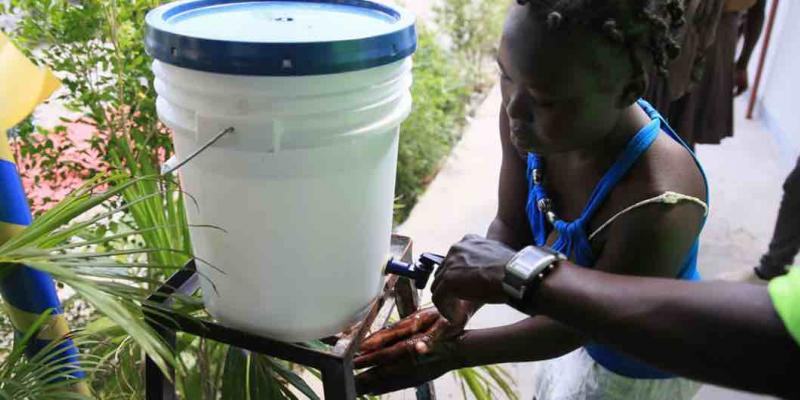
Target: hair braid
{"points": [[649, 27]]}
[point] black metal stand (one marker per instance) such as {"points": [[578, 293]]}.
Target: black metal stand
{"points": [[335, 363]]}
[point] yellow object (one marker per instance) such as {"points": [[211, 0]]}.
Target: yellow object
{"points": [[54, 329], [785, 293], [9, 230], [23, 85]]}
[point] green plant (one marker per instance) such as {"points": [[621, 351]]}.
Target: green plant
{"points": [[439, 108], [448, 74], [41, 376], [55, 244], [473, 28], [486, 383]]}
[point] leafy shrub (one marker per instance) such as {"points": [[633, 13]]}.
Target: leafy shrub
{"points": [[473, 28], [440, 104], [450, 72]]}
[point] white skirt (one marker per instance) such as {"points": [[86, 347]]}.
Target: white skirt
{"points": [[576, 376]]}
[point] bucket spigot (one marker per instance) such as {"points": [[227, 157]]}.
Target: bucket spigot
{"points": [[420, 272]]}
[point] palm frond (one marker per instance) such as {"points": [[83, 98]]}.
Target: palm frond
{"points": [[49, 374], [486, 382], [45, 246]]}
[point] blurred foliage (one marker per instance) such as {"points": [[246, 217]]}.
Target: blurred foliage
{"points": [[440, 103], [451, 75], [473, 28]]}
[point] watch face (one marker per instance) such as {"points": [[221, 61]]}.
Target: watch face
{"points": [[530, 261], [522, 267]]}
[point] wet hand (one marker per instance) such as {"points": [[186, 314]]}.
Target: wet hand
{"points": [[415, 350], [416, 334], [473, 270]]}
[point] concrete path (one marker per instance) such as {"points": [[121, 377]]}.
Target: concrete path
{"points": [[745, 177]]}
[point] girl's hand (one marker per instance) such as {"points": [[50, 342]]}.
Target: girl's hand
{"points": [[415, 335], [415, 350]]}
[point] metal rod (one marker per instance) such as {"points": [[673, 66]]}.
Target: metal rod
{"points": [[184, 281], [286, 351], [202, 148], [157, 385], [762, 59], [338, 381]]}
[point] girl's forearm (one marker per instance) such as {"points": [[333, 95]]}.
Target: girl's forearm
{"points": [[531, 339]]}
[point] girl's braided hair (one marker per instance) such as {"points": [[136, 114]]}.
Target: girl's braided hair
{"points": [[645, 27]]}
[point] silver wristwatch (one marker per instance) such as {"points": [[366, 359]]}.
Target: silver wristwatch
{"points": [[528, 267]]}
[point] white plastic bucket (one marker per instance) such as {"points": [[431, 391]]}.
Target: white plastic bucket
{"points": [[303, 189]]}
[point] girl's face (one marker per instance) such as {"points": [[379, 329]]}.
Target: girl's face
{"points": [[563, 89]]}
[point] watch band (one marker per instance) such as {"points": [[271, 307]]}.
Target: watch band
{"points": [[525, 272]]}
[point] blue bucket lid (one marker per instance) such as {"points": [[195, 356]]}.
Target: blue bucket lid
{"points": [[279, 37]]}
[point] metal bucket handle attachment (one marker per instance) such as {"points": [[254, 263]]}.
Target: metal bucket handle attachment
{"points": [[167, 168]]}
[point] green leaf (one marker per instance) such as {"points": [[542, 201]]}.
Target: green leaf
{"points": [[43, 376], [503, 379], [473, 381], [249, 377], [294, 379]]}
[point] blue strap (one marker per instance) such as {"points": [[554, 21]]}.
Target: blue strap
{"points": [[537, 220], [572, 239], [633, 151]]}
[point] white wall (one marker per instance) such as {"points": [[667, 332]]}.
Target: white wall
{"points": [[779, 106]]}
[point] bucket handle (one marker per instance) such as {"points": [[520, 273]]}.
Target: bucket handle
{"points": [[168, 168]]}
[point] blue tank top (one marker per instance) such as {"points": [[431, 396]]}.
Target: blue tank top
{"points": [[573, 241]]}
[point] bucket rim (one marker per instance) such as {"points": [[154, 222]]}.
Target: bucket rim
{"points": [[279, 58]]}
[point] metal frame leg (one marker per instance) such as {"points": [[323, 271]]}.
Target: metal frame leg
{"points": [[338, 380], [157, 386]]}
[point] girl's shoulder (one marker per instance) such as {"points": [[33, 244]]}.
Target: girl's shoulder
{"points": [[666, 167]]}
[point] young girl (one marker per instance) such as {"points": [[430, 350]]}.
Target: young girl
{"points": [[589, 170]]}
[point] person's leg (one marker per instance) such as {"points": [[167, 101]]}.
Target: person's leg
{"points": [[785, 241]]}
